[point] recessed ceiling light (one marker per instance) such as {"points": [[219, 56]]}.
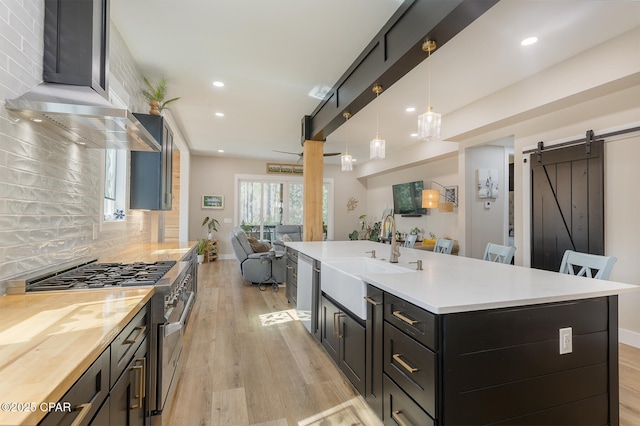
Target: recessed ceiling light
{"points": [[219, 114], [529, 41], [354, 159], [414, 135], [218, 84], [221, 150], [37, 120], [410, 109]]}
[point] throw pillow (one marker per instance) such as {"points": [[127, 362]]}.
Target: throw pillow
{"points": [[257, 246]]}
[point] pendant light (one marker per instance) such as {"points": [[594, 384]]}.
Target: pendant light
{"points": [[376, 146], [429, 122], [346, 160]]}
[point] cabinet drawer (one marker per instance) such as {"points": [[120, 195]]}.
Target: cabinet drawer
{"points": [[415, 321], [412, 366], [399, 409], [125, 345], [86, 395]]}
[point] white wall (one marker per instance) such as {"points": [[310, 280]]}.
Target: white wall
{"points": [[216, 175], [485, 225], [380, 197]]}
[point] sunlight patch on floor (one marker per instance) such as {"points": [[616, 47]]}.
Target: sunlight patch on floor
{"points": [[353, 412], [281, 317]]}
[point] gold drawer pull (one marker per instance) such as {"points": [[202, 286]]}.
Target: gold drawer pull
{"points": [[336, 324], [141, 389], [406, 366], [317, 270], [396, 416], [373, 302], [289, 267], [409, 321], [141, 329], [84, 410]]}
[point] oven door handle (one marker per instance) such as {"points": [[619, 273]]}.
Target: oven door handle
{"points": [[173, 327]]}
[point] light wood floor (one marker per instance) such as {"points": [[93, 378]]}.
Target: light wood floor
{"points": [[241, 369]]}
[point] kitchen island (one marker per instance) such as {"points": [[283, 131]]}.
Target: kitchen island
{"points": [[49, 339], [465, 341]]}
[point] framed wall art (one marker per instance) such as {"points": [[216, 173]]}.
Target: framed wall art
{"points": [[213, 201]]}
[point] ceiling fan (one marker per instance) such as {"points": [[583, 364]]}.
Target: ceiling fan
{"points": [[300, 154]]}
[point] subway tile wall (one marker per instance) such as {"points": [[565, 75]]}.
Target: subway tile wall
{"points": [[50, 187]]}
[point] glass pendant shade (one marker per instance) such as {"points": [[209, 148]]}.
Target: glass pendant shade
{"points": [[376, 149], [430, 198], [429, 125], [346, 161]]}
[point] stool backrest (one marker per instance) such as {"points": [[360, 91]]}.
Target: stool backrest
{"points": [[443, 246], [587, 265], [410, 240], [498, 253]]}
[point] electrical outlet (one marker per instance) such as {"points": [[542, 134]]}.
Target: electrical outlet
{"points": [[566, 340]]}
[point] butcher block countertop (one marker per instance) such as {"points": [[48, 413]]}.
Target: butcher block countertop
{"points": [[48, 339]]}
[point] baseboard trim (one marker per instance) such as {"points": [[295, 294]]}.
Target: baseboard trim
{"points": [[629, 337]]}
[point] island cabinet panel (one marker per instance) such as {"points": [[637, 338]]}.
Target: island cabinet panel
{"points": [[292, 276], [415, 321], [400, 409], [374, 349], [412, 366], [343, 337], [512, 355]]}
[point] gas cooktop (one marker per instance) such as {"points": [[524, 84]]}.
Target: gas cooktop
{"points": [[104, 275]]}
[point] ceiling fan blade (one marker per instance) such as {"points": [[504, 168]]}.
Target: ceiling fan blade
{"points": [[287, 152], [331, 154]]}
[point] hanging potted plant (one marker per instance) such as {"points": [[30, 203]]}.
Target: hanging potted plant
{"points": [[155, 94]]}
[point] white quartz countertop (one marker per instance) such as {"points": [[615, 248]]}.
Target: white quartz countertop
{"points": [[449, 284]]}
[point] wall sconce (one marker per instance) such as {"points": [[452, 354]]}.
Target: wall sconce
{"points": [[431, 198], [377, 145]]}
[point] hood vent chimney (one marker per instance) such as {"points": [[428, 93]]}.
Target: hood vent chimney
{"points": [[73, 100]]}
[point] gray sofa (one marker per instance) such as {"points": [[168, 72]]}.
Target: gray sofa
{"points": [[292, 232], [257, 267]]}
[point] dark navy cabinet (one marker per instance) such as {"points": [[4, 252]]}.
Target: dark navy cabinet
{"points": [[151, 172]]}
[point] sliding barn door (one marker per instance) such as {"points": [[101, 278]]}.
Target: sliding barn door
{"points": [[567, 199]]}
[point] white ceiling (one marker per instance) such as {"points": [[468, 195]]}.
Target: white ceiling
{"points": [[271, 54]]}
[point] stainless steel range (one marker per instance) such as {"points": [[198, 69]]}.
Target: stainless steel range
{"points": [[175, 293]]}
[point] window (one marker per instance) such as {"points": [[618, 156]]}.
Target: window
{"points": [[115, 173], [264, 202]]}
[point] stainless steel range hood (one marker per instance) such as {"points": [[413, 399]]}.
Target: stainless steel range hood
{"points": [[72, 101], [82, 116]]}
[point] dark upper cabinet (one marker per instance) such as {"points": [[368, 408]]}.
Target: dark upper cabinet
{"points": [[151, 171]]}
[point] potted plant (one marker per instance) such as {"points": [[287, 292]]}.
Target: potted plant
{"points": [[416, 231], [201, 247], [212, 225], [155, 94]]}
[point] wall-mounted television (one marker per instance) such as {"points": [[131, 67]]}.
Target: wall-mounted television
{"points": [[407, 199]]}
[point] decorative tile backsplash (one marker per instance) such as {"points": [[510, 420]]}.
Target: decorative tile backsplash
{"points": [[50, 188]]}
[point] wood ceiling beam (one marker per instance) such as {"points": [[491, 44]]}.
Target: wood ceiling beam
{"points": [[395, 51]]}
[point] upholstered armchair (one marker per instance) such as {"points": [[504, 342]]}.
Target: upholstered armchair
{"points": [[286, 233], [255, 266]]}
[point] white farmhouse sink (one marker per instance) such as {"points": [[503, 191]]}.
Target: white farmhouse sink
{"points": [[341, 279]]}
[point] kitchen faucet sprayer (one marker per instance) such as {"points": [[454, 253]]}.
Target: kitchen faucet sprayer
{"points": [[395, 250]]}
